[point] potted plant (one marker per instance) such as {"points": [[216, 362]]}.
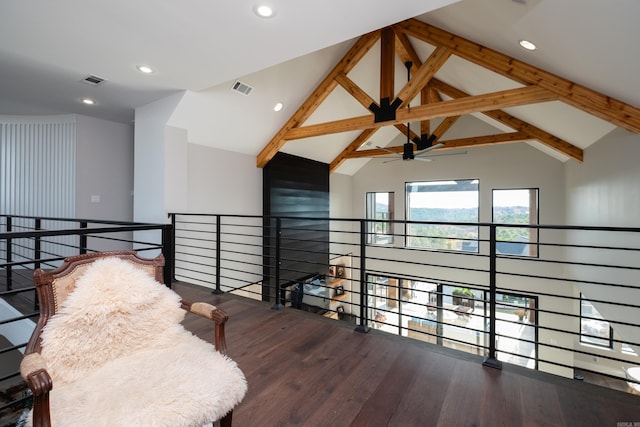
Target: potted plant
{"points": [[463, 296]]}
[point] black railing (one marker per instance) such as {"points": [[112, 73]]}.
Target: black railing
{"points": [[28, 243], [566, 303]]}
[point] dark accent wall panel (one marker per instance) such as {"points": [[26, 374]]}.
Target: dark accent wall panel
{"points": [[299, 188]]}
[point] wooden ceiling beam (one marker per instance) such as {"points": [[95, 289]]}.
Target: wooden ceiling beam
{"points": [[405, 50], [588, 100], [355, 144], [365, 100], [387, 64], [542, 136], [423, 74], [444, 126], [479, 141], [476, 141], [346, 64], [455, 107]]}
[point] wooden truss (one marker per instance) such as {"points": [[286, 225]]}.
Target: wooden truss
{"points": [[392, 109]]}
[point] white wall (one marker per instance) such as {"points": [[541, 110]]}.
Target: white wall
{"points": [[604, 191], [150, 159], [104, 169], [222, 182], [176, 163]]}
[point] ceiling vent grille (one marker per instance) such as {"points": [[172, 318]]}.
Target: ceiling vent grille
{"points": [[242, 88], [93, 80]]}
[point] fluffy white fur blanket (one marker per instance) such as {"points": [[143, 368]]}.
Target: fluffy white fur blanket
{"points": [[118, 356]]}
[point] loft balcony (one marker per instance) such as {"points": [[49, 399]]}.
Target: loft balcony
{"points": [[334, 327]]}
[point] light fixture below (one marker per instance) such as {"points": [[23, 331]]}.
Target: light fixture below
{"points": [[264, 11], [144, 69], [278, 106], [88, 101], [527, 45]]}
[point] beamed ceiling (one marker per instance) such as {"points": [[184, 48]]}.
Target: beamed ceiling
{"points": [[434, 105]]}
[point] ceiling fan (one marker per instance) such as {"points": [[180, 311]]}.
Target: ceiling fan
{"points": [[409, 154], [424, 143]]}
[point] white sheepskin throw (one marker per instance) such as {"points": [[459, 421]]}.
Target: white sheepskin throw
{"points": [[118, 356]]}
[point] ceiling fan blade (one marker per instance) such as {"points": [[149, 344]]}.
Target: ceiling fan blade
{"points": [[452, 153], [389, 161], [433, 147], [422, 159]]}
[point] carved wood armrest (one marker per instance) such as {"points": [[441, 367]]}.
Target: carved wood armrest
{"points": [[211, 312], [33, 370]]}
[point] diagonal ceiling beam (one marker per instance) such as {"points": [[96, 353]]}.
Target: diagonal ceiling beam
{"points": [[583, 98], [455, 107], [545, 138], [357, 143], [365, 100], [422, 76], [407, 52], [444, 126], [346, 64]]}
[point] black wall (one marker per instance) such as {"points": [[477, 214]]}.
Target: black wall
{"points": [[299, 188]]}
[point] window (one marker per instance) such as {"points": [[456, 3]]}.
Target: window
{"points": [[594, 329], [442, 201], [379, 206], [517, 206]]}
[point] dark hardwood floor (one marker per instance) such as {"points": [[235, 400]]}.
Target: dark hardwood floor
{"points": [[307, 370]]}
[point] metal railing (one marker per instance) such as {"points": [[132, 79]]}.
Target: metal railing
{"points": [[565, 302], [28, 243]]}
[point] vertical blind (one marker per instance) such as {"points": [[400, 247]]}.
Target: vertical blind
{"points": [[38, 170]]}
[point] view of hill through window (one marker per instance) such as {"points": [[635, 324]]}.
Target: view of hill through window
{"points": [[458, 202]]}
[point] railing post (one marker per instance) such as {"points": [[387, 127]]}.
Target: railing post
{"points": [[217, 290], [37, 248], [169, 254], [491, 360], [364, 319], [172, 247], [9, 268], [278, 305], [83, 239]]}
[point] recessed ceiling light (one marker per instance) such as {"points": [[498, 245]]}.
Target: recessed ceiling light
{"points": [[278, 106], [264, 11], [527, 45], [88, 101], [144, 69]]}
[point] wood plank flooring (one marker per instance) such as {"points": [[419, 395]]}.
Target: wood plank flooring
{"points": [[307, 370]]}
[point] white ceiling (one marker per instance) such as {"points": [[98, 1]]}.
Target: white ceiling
{"points": [[48, 47], [201, 47]]}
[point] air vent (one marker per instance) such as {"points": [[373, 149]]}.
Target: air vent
{"points": [[242, 88], [93, 80]]}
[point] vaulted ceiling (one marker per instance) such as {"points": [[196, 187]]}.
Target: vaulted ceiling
{"points": [[439, 100], [332, 63]]}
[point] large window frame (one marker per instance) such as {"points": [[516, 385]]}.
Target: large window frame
{"points": [[594, 329], [516, 206], [380, 205], [442, 202]]}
